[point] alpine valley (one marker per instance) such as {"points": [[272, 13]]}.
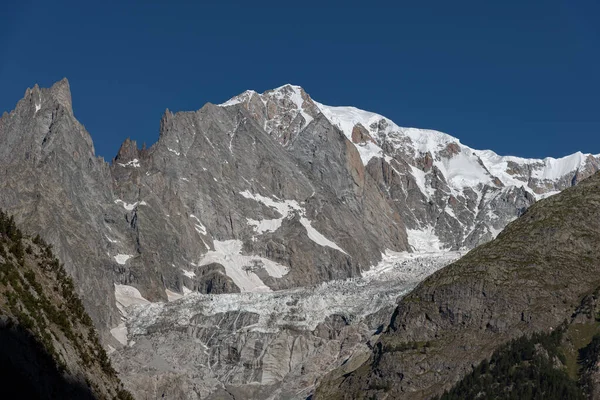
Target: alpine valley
{"points": [[262, 248]]}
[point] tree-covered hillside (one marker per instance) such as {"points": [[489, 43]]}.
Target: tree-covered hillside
{"points": [[49, 348]]}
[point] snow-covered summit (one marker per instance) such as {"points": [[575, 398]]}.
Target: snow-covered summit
{"points": [[371, 133], [447, 192]]}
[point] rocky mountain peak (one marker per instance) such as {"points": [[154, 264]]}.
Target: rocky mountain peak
{"points": [[33, 98], [165, 121], [128, 151], [283, 112], [61, 92]]}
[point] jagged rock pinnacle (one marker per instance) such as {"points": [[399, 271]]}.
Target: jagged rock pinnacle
{"points": [[61, 92]]}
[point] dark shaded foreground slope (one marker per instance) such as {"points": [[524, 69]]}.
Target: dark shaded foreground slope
{"points": [[532, 278], [49, 348], [27, 371]]}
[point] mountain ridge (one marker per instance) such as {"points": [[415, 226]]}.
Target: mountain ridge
{"points": [[260, 195], [364, 185]]}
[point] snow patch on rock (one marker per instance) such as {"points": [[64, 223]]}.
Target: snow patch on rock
{"points": [[286, 208], [173, 296], [242, 268], [133, 163], [317, 237], [120, 333], [122, 258], [200, 228], [126, 296], [189, 274]]}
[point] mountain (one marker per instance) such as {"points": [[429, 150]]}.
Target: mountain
{"points": [[448, 195], [265, 192], [49, 348], [539, 275]]}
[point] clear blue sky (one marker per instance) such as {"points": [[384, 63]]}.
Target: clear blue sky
{"points": [[517, 77]]}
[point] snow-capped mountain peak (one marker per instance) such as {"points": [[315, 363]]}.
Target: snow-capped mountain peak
{"points": [[371, 132], [460, 183]]}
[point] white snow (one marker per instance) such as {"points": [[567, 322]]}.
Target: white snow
{"points": [[240, 268], [189, 274], [424, 240], [241, 98], [126, 296], [546, 195], [355, 298], [463, 170], [286, 208], [122, 258], [295, 95], [317, 237], [133, 163], [173, 296], [127, 206], [544, 169], [130, 206], [419, 176], [120, 333], [38, 107], [345, 118], [265, 225], [467, 168], [557, 168], [200, 228], [111, 240], [174, 151], [460, 170]]}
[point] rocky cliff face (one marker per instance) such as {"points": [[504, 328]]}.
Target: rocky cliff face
{"points": [[266, 191], [531, 278]]}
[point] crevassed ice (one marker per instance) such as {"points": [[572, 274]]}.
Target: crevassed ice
{"points": [[424, 240], [395, 275]]}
